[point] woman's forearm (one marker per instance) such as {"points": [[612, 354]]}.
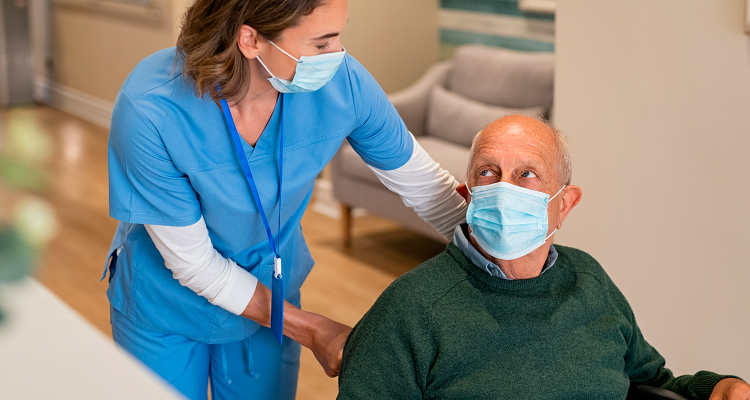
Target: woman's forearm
{"points": [[323, 336], [196, 264], [299, 325], [188, 252]]}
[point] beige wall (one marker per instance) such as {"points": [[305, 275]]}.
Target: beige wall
{"points": [[395, 40], [655, 97], [93, 53]]}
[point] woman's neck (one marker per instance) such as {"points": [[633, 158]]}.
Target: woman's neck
{"points": [[252, 113], [259, 90]]}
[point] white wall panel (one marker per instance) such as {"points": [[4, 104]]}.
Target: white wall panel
{"points": [[655, 97]]}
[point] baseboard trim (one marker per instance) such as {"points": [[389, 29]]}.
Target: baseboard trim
{"points": [[82, 105]]}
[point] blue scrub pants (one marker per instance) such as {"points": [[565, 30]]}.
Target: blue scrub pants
{"points": [[254, 368]]}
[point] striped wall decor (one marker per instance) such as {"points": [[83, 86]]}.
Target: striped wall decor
{"points": [[497, 23]]}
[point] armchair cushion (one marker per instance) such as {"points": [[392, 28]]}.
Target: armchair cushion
{"points": [[457, 119], [503, 77], [411, 103]]}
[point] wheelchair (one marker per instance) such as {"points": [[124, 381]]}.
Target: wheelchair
{"points": [[645, 392]]}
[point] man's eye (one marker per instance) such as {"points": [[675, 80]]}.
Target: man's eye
{"points": [[528, 174], [323, 47], [485, 172]]}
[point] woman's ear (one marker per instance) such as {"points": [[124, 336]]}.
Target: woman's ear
{"points": [[248, 42]]}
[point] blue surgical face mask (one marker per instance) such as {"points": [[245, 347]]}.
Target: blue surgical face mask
{"points": [[508, 221], [310, 74]]}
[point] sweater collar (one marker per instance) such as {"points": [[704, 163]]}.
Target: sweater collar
{"points": [[533, 285], [461, 240]]}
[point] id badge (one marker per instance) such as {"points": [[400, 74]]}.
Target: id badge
{"points": [[277, 302]]}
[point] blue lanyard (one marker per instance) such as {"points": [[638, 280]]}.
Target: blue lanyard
{"points": [[277, 284], [249, 175]]}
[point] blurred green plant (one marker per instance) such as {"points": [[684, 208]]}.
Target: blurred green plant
{"points": [[27, 223]]}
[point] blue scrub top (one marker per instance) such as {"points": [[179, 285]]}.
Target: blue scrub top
{"points": [[171, 161]]}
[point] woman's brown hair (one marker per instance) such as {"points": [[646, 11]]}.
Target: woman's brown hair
{"points": [[208, 40]]}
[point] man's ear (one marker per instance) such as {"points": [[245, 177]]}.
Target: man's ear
{"points": [[569, 198], [247, 41], [463, 191]]}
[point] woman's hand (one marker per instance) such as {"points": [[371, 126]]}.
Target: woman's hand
{"points": [[322, 335], [328, 344]]}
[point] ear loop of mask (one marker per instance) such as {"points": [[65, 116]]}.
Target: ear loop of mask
{"points": [[550, 199], [299, 60], [281, 50], [266, 68], [558, 192]]}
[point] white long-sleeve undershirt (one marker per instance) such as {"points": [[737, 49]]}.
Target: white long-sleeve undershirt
{"points": [[193, 260], [195, 263], [427, 188]]}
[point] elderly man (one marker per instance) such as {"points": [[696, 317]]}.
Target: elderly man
{"points": [[502, 313]]}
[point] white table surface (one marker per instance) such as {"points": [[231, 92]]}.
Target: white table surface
{"points": [[48, 351]]}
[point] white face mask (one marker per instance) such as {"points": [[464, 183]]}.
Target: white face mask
{"points": [[310, 74], [508, 221]]}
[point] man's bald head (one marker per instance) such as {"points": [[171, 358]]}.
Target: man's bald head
{"points": [[549, 141], [528, 154]]}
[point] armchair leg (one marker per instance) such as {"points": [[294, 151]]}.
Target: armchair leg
{"points": [[346, 221]]}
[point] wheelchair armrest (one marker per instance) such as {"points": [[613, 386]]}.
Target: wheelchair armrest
{"points": [[645, 392]]}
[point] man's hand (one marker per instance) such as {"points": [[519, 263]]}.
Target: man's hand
{"points": [[328, 344], [731, 389]]}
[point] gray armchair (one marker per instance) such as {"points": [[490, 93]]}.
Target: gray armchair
{"points": [[444, 109]]}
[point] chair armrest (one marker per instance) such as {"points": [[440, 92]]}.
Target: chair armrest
{"points": [[645, 392], [411, 102]]}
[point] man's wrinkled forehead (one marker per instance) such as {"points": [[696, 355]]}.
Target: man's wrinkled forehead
{"points": [[516, 138], [530, 155]]}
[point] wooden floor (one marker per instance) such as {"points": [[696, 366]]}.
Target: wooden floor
{"points": [[343, 285]]}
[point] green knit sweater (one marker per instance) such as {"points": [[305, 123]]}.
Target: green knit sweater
{"points": [[448, 330]]}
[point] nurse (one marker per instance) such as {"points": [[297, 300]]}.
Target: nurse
{"points": [[214, 148]]}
